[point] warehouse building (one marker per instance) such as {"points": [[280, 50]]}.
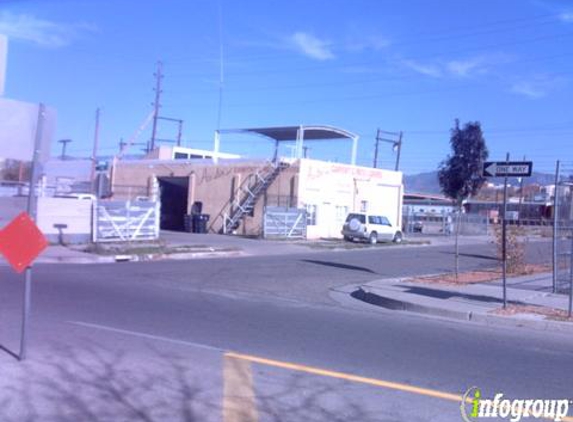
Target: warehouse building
{"points": [[240, 195]]}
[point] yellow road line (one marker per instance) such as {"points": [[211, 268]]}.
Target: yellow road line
{"points": [[355, 378], [238, 393], [348, 377]]}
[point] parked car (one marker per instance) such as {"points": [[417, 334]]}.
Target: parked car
{"points": [[370, 227]]}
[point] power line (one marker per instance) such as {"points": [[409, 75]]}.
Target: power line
{"points": [[410, 39], [430, 55], [426, 37]]}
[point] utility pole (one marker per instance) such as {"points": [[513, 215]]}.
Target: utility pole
{"points": [[64, 143], [157, 105], [94, 151], [396, 146], [179, 133], [521, 199], [375, 165], [305, 152]]}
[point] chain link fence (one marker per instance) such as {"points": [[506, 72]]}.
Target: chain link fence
{"points": [[563, 228], [445, 223]]}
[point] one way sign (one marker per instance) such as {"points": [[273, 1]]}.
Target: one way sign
{"points": [[510, 169]]}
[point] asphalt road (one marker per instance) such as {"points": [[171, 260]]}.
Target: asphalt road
{"points": [[279, 308]]}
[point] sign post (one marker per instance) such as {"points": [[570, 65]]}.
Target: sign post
{"points": [[506, 169], [25, 133], [504, 236], [31, 209]]}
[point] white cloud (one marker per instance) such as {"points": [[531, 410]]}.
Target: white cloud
{"points": [[538, 86], [311, 46], [459, 68], [528, 89], [39, 31], [432, 70], [464, 68], [566, 17], [371, 42]]}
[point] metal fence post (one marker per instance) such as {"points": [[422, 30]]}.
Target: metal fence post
{"points": [[555, 223]]}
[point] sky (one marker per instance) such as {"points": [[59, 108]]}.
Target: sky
{"points": [[361, 65]]}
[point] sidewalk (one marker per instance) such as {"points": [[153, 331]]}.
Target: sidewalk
{"points": [[171, 245], [182, 245], [479, 302]]}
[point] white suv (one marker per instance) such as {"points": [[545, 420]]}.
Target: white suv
{"points": [[373, 228]]}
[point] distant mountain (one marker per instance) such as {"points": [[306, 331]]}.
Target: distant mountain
{"points": [[422, 183], [428, 182]]}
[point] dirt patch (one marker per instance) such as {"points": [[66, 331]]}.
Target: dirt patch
{"points": [[150, 248], [472, 277], [548, 313]]}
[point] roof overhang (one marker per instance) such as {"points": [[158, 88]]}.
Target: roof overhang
{"points": [[299, 134], [292, 133]]}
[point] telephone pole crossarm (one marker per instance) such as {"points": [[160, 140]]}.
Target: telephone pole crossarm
{"points": [[396, 145]]}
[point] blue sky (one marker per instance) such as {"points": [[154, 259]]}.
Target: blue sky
{"points": [[411, 66]]}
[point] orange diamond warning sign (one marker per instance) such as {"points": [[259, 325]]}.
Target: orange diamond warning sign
{"points": [[21, 242]]}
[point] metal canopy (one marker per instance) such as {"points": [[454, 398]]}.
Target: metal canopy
{"points": [[298, 134], [311, 133]]}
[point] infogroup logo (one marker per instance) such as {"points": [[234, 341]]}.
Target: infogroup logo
{"points": [[474, 407]]}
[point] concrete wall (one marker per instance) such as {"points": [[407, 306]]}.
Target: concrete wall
{"points": [[213, 185], [73, 212]]}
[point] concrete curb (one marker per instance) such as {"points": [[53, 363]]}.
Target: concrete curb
{"points": [[535, 322], [97, 259], [401, 305]]}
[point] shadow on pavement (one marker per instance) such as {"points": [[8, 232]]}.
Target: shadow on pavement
{"points": [[4, 349], [97, 385], [444, 294], [298, 397], [473, 255], [339, 265]]}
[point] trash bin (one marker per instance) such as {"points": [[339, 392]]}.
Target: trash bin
{"points": [[200, 223], [188, 223]]}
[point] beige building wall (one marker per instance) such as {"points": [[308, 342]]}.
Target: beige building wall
{"points": [[329, 191], [213, 185]]}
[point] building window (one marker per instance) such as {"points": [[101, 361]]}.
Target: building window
{"points": [[181, 156], [363, 206], [341, 213], [310, 215]]}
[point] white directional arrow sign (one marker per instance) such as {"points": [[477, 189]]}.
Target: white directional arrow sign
{"points": [[510, 169]]}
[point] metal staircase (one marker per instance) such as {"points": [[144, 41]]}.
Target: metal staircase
{"points": [[246, 197]]}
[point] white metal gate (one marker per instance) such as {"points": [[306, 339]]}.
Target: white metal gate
{"points": [[285, 223], [116, 221]]}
